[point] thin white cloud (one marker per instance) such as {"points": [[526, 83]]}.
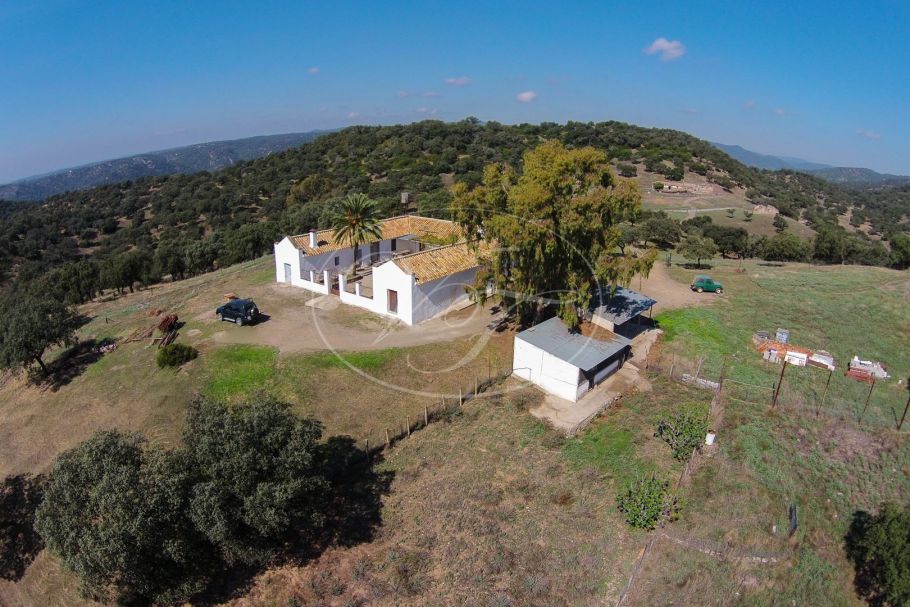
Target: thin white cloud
{"points": [[426, 110], [668, 49], [313, 70], [868, 134], [404, 94], [748, 105], [458, 81], [526, 96], [431, 94], [780, 111], [690, 110], [353, 115]]}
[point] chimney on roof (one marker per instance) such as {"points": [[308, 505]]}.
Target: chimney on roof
{"points": [[313, 238]]}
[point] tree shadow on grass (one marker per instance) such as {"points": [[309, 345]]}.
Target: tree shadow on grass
{"points": [[696, 266], [856, 552], [19, 542], [71, 363], [352, 511]]}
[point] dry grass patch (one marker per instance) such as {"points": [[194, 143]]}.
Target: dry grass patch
{"points": [[484, 510]]}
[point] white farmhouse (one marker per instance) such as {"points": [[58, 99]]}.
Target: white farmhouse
{"points": [[565, 363], [407, 274]]}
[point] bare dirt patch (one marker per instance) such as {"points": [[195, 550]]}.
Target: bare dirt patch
{"points": [[669, 293]]}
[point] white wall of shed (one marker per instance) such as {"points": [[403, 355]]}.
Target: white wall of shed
{"points": [[554, 375]]}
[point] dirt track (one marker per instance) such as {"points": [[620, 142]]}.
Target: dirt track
{"points": [[669, 293]]}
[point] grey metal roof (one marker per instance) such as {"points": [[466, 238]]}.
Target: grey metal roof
{"points": [[553, 337], [622, 306]]}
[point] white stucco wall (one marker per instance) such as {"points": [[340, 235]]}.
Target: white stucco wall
{"points": [[389, 276], [437, 296], [550, 373], [287, 253], [415, 303]]}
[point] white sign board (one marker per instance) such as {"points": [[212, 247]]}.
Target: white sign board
{"points": [[796, 358]]}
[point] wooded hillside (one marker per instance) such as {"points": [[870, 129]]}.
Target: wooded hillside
{"points": [[185, 224]]}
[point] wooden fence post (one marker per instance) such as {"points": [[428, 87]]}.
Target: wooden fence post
{"points": [[868, 396], [387, 441], [780, 382], [460, 398], [426, 417], [701, 361], [476, 387], [407, 421], [672, 365], [907, 406], [825, 394]]}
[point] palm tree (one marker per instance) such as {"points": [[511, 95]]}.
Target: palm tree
{"points": [[357, 222]]}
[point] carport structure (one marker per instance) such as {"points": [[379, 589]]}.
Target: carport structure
{"points": [[615, 309]]}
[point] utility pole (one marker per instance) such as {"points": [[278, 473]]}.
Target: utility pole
{"points": [[780, 382], [868, 396], [907, 406]]}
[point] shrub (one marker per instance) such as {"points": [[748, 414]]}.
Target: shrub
{"points": [[879, 547], [174, 355], [658, 185], [648, 503], [684, 431], [258, 478], [145, 525], [115, 512], [627, 170]]}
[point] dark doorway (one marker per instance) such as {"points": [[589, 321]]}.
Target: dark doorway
{"points": [[393, 301]]}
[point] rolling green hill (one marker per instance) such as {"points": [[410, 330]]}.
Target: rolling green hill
{"points": [[190, 223]]}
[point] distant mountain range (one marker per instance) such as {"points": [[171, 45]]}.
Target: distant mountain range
{"points": [[848, 176], [766, 161], [188, 159]]}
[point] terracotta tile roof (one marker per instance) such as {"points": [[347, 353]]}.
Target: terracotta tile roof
{"points": [[433, 264], [394, 227]]}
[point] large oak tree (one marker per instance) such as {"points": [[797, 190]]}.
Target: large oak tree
{"points": [[551, 229], [31, 322]]}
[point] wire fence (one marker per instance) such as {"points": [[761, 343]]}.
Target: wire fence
{"points": [[804, 390], [375, 444], [808, 391]]}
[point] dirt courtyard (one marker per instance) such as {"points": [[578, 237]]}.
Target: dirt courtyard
{"points": [[299, 321]]}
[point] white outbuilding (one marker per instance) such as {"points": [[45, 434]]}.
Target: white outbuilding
{"points": [[567, 363]]}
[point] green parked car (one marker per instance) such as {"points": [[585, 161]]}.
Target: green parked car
{"points": [[704, 283]]}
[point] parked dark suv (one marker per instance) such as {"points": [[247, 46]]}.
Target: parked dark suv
{"points": [[240, 311]]}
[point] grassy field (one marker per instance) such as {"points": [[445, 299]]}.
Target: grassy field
{"points": [[489, 506], [493, 508], [825, 464]]}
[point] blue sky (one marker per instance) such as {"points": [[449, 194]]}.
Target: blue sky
{"points": [[94, 80]]}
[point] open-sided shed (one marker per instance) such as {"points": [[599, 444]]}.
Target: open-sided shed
{"points": [[611, 310]]}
